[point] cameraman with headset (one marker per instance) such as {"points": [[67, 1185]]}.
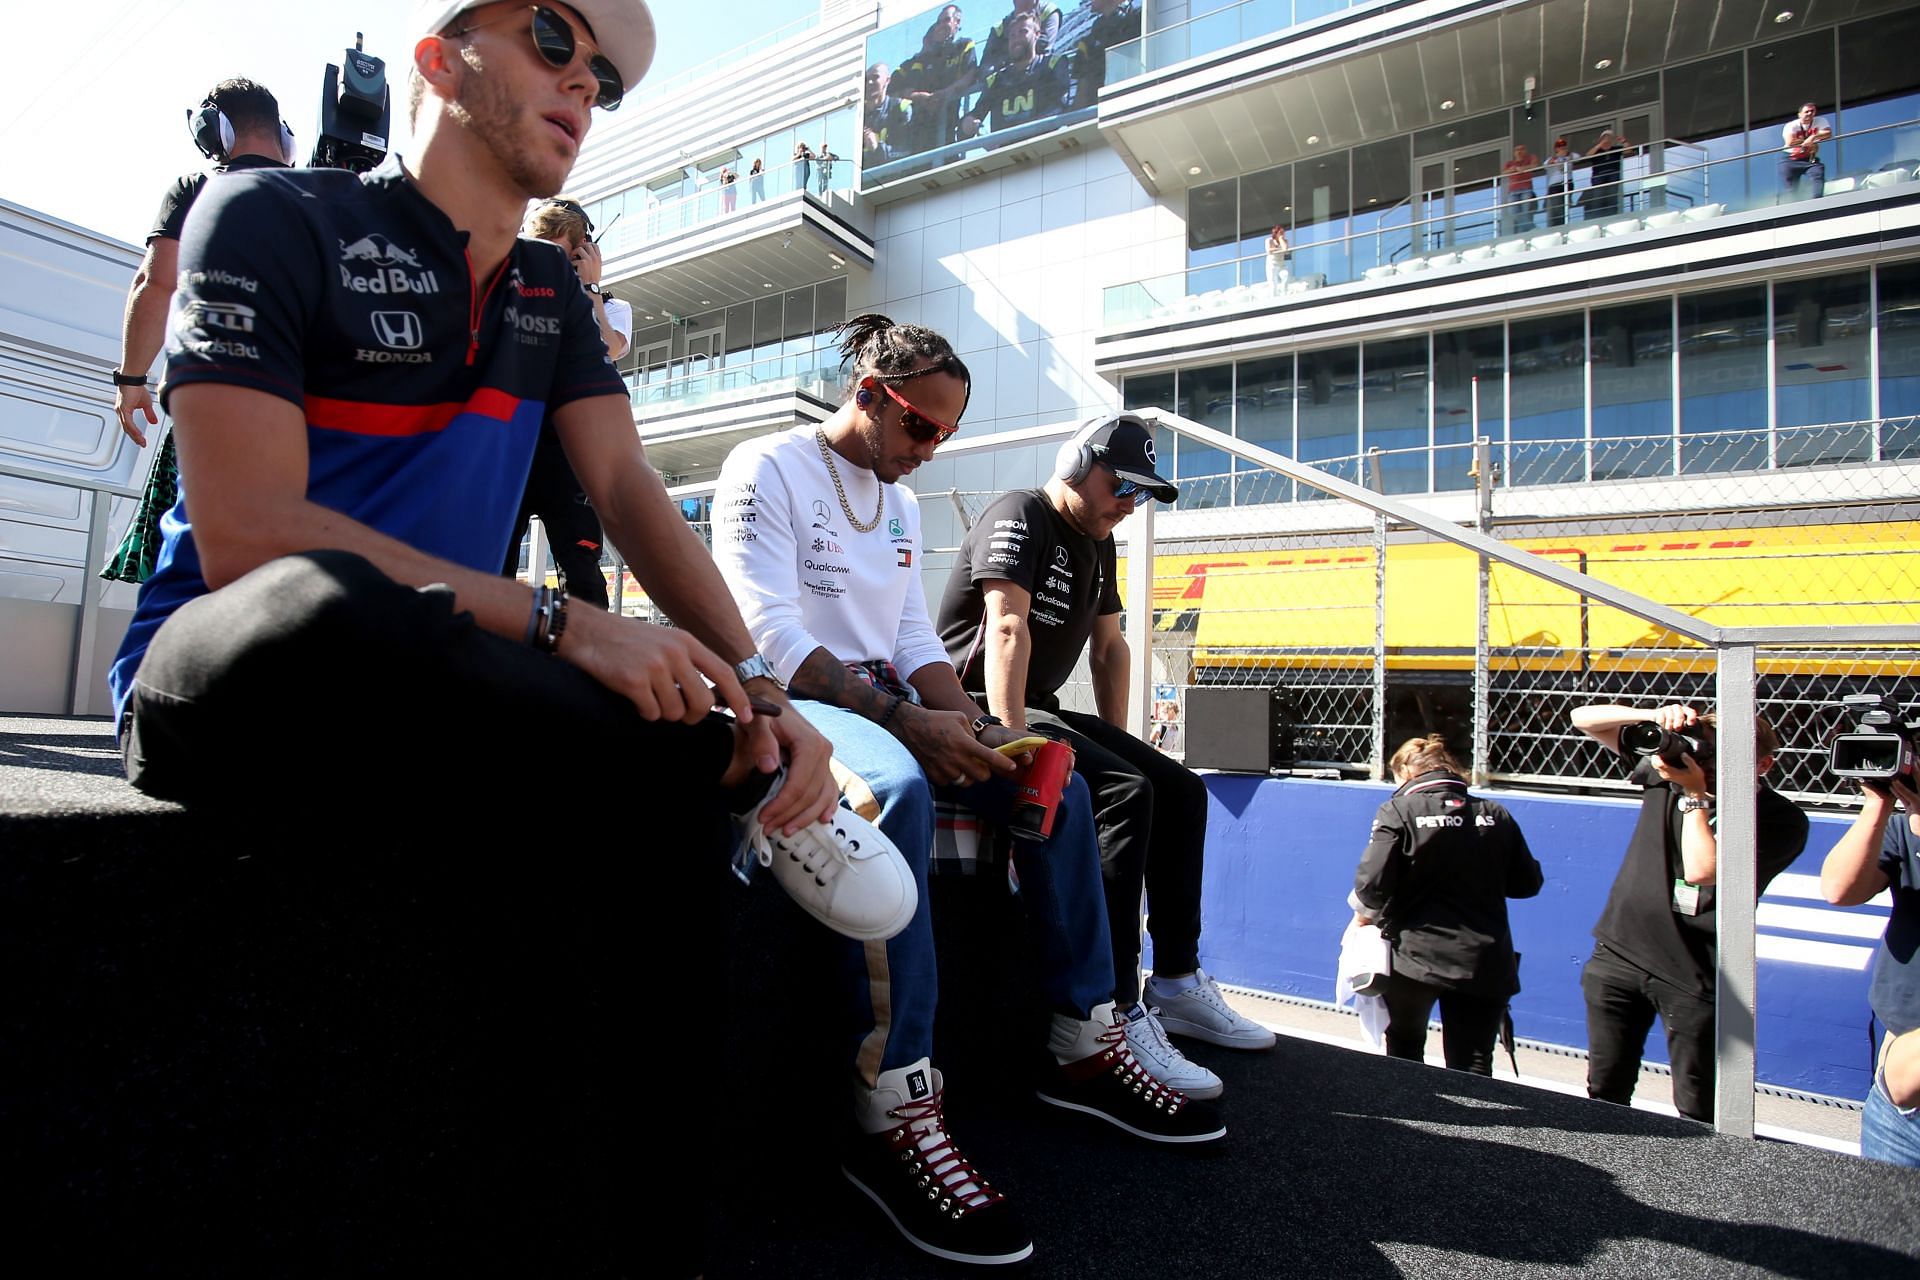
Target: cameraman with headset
{"points": [[1654, 950], [1881, 851], [237, 126]]}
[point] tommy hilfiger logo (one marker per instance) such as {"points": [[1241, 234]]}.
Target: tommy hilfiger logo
{"points": [[906, 557], [917, 1086]]}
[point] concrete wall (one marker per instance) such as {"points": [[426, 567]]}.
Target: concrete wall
{"points": [[1280, 861]]}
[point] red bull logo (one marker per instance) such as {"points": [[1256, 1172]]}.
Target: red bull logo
{"points": [[375, 264]]}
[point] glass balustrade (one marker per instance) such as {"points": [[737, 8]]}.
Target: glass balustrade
{"points": [[1221, 27], [686, 384]]}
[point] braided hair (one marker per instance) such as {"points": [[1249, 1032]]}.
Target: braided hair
{"points": [[878, 348]]}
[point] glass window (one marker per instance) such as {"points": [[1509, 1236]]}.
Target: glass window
{"points": [[1206, 396], [1631, 358], [1900, 359], [1328, 412], [1382, 203], [1705, 108], [1395, 416], [1321, 206], [1723, 380], [1459, 357], [1151, 391], [1265, 418], [838, 131], [1781, 76], [1879, 86], [739, 343], [1213, 233], [1548, 411], [1820, 335], [830, 305], [1266, 202]]}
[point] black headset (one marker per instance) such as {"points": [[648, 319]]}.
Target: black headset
{"points": [[212, 132], [573, 206], [1075, 460]]}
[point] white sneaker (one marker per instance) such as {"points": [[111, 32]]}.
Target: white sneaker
{"points": [[1148, 1040], [1202, 1012], [843, 873]]}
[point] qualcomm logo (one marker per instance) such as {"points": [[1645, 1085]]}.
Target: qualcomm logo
{"points": [[399, 330]]}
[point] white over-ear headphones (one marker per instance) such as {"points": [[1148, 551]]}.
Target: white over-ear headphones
{"points": [[212, 132]]}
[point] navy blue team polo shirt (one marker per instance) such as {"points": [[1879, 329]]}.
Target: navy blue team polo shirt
{"points": [[423, 388]]}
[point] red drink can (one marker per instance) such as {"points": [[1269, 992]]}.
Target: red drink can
{"points": [[1040, 785]]}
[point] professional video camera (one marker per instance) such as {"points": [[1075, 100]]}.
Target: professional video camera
{"points": [[1648, 739], [354, 113], [1881, 744]]}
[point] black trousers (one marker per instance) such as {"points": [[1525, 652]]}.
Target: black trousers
{"points": [[1151, 813], [555, 494], [1622, 1000], [407, 763], [1469, 1025]]}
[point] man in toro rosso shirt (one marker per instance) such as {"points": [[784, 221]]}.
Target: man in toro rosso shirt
{"points": [[358, 368]]}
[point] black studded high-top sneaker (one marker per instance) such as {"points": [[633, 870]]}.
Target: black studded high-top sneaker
{"points": [[1097, 1074], [905, 1163]]}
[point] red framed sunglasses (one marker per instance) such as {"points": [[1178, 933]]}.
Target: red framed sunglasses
{"points": [[921, 426]]}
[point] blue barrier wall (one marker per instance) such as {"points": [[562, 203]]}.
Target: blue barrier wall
{"points": [[1280, 860]]}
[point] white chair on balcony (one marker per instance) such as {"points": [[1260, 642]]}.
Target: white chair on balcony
{"points": [[1378, 273], [1664, 218], [1479, 253], [1548, 240], [1702, 213], [1441, 260], [1412, 266], [1887, 178], [1580, 235], [1309, 282], [1840, 186], [1624, 227], [1508, 248]]}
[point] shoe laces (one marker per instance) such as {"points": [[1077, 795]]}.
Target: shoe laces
{"points": [[1141, 1081], [1147, 1028], [821, 848], [943, 1172]]}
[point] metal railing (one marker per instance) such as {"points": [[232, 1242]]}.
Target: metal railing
{"points": [[1660, 194], [816, 372], [639, 227], [1220, 28]]}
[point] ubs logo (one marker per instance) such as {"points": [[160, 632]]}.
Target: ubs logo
{"points": [[398, 330]]}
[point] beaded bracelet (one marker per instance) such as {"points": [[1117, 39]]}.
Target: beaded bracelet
{"points": [[891, 708]]}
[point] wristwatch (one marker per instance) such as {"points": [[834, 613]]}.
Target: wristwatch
{"points": [[757, 668], [980, 725], [595, 290], [129, 379], [1689, 804]]}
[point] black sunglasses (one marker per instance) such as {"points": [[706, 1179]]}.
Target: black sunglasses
{"points": [[553, 39]]}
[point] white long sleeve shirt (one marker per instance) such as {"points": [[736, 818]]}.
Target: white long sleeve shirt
{"points": [[803, 577]]}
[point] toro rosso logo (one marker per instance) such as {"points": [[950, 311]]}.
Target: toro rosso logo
{"points": [[379, 250], [375, 264]]}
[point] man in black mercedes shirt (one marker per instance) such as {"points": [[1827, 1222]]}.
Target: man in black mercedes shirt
{"points": [[243, 131], [1654, 950], [1034, 585]]}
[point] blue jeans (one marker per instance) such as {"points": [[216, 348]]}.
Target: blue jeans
{"points": [[891, 986], [1888, 1132]]}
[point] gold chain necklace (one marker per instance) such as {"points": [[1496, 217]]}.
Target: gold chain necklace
{"points": [[879, 509]]}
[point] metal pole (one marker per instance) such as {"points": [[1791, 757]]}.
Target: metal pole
{"points": [[1377, 764], [619, 584], [86, 636], [536, 551], [1736, 892], [1139, 530], [1482, 651]]}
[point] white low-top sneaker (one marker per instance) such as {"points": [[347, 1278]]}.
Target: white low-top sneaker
{"points": [[1163, 1062], [1202, 1012], [843, 873]]}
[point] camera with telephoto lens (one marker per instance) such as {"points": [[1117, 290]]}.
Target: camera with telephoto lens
{"points": [[354, 113], [1879, 746], [1649, 739]]}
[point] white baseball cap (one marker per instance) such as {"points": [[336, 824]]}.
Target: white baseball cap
{"points": [[623, 29]]}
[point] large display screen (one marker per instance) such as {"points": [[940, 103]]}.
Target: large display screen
{"points": [[952, 82]]}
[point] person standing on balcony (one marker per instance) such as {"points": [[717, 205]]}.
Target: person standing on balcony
{"points": [[1516, 212], [1436, 877], [826, 158], [1034, 587], [934, 81], [1801, 162], [802, 166], [757, 181], [553, 492], [1654, 950], [1278, 256], [727, 194], [1559, 181], [1602, 199], [1880, 853]]}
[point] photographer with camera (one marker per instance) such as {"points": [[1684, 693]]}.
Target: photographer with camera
{"points": [[1881, 851], [1654, 950]]}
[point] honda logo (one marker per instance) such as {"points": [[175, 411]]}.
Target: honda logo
{"points": [[399, 330]]}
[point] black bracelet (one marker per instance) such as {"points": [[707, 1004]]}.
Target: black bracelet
{"points": [[888, 714], [553, 623]]}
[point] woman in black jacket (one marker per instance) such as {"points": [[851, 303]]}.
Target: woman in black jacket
{"points": [[1436, 878]]}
